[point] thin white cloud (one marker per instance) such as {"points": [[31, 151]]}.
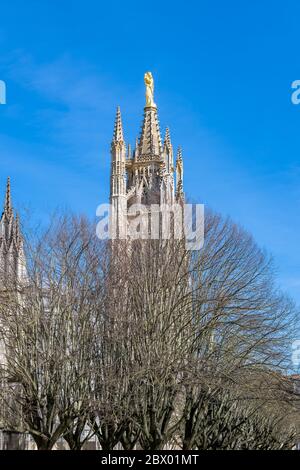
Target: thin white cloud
{"points": [[75, 104]]}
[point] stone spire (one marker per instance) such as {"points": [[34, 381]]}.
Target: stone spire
{"points": [[118, 129], [168, 152], [12, 260], [150, 140], [7, 212], [129, 155], [167, 141], [118, 178], [179, 176], [17, 229], [136, 150], [9, 231], [7, 220]]}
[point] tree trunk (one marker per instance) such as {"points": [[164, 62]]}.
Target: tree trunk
{"points": [[43, 443]]}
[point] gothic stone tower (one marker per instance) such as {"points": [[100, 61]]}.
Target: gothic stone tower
{"points": [[12, 260], [13, 277], [147, 175]]}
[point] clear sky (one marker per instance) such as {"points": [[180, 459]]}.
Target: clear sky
{"points": [[223, 72]]}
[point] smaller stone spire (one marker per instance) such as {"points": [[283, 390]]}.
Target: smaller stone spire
{"points": [[7, 203], [168, 152], [17, 229], [118, 129], [179, 164], [136, 150], [129, 152], [179, 175], [12, 259], [167, 141]]}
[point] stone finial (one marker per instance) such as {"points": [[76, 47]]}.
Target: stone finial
{"points": [[118, 129]]}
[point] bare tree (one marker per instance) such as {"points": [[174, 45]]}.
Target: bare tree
{"points": [[48, 333], [244, 325], [192, 322], [145, 344]]}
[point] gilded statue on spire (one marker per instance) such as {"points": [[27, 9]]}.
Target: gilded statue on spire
{"points": [[149, 82]]}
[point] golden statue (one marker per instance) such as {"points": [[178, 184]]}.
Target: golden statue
{"points": [[149, 82]]}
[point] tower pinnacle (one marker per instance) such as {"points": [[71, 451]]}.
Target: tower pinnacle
{"points": [[167, 141], [12, 259], [7, 202], [118, 129], [179, 175]]}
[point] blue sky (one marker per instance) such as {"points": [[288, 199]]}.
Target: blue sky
{"points": [[223, 74]]}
